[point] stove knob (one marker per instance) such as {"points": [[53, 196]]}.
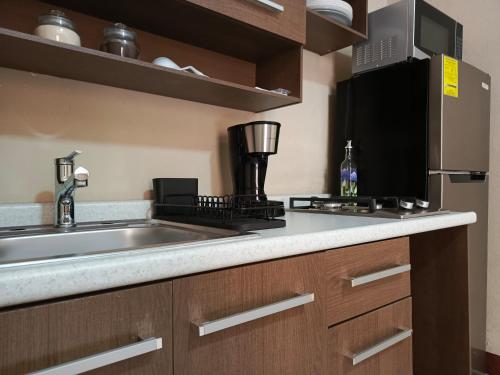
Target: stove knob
{"points": [[406, 205], [317, 204], [422, 204]]}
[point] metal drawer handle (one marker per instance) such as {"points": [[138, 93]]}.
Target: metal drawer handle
{"points": [[108, 357], [212, 326], [380, 347], [269, 4], [371, 277]]}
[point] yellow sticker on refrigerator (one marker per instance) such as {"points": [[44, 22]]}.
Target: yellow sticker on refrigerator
{"points": [[450, 76]]}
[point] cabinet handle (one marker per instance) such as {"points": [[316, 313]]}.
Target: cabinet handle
{"points": [[212, 326], [269, 4], [108, 357], [371, 277], [381, 346]]}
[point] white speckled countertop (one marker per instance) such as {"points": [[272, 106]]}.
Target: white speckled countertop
{"points": [[304, 233]]}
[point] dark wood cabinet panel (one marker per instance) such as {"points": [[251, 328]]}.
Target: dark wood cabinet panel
{"points": [[353, 337], [441, 302], [34, 338], [288, 342], [345, 301], [290, 24]]}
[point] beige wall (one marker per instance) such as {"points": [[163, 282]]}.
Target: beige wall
{"points": [[130, 137]]}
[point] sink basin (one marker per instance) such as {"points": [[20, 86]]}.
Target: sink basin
{"points": [[46, 243]]}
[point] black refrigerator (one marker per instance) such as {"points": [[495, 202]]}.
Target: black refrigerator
{"points": [[385, 114], [421, 129]]}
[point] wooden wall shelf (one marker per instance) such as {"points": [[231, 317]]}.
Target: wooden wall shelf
{"points": [[31, 53], [235, 55], [324, 35]]}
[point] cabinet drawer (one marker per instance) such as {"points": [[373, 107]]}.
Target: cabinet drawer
{"points": [[377, 343], [286, 18], [256, 319], [129, 322], [364, 277]]}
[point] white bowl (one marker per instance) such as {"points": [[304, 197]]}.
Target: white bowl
{"points": [[339, 6]]}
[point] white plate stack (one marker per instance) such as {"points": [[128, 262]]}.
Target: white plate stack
{"points": [[337, 10]]}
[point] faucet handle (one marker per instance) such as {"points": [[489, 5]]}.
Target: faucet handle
{"points": [[67, 160], [72, 155]]}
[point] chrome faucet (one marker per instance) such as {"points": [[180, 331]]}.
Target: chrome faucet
{"points": [[67, 180]]}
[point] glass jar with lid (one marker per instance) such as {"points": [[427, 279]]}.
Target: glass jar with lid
{"points": [[121, 41], [56, 26]]}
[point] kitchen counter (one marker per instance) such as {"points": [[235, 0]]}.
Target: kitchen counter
{"points": [[304, 233]]}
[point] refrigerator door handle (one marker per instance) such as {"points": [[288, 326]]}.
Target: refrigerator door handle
{"points": [[467, 178], [460, 177]]}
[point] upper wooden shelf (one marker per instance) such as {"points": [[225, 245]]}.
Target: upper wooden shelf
{"points": [[187, 22], [236, 56], [324, 35], [31, 53]]}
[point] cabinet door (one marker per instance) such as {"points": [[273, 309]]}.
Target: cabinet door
{"points": [[283, 17], [377, 343], [123, 325], [257, 324]]}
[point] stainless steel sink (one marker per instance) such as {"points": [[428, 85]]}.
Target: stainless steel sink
{"points": [[47, 243]]}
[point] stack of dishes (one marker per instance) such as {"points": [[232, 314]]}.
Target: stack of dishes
{"points": [[337, 10]]}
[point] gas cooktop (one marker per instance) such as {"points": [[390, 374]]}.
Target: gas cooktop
{"points": [[381, 207]]}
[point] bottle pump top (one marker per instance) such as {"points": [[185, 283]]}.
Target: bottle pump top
{"points": [[349, 144]]}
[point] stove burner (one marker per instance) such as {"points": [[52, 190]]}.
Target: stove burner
{"points": [[387, 207]]}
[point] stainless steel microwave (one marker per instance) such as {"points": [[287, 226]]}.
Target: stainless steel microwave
{"points": [[408, 28]]}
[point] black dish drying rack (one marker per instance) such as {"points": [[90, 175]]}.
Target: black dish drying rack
{"points": [[239, 212]]}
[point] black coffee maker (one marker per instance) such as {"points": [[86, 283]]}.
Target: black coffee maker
{"points": [[248, 207], [250, 145]]}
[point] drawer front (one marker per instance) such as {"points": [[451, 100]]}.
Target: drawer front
{"points": [[377, 343], [364, 277], [257, 319], [129, 323], [282, 17]]}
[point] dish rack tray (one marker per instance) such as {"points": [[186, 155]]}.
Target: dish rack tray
{"points": [[223, 208]]}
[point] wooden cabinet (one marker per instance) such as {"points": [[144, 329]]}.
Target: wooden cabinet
{"points": [[286, 18], [228, 41], [441, 344], [35, 338], [361, 279], [364, 277], [377, 343], [268, 318], [286, 341]]}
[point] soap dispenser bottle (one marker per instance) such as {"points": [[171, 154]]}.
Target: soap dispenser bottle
{"points": [[348, 174]]}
